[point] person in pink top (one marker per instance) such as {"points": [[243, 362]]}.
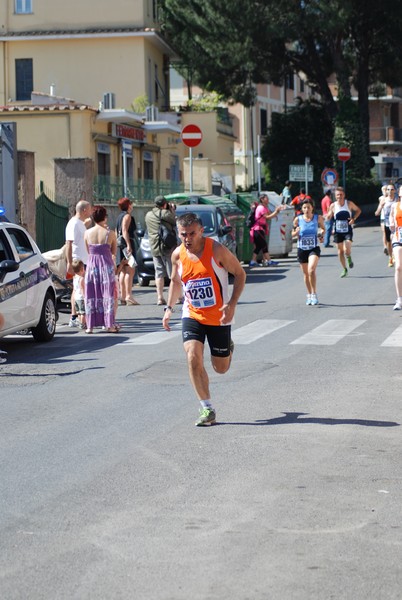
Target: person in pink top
{"points": [[325, 204], [259, 232]]}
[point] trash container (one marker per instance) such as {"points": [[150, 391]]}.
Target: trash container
{"points": [[280, 238], [244, 202], [280, 228]]}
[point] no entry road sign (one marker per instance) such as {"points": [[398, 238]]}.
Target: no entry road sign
{"points": [[344, 154], [191, 135]]}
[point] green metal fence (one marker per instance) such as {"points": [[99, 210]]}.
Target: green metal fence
{"points": [[51, 221], [142, 191]]}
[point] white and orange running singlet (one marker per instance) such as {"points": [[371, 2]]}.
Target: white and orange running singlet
{"points": [[205, 285]]}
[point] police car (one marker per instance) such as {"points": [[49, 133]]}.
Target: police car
{"points": [[27, 295]]}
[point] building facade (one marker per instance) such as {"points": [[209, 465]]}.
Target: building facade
{"points": [[386, 132], [249, 126], [69, 74]]}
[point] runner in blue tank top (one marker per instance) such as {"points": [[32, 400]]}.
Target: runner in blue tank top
{"points": [[309, 228]]}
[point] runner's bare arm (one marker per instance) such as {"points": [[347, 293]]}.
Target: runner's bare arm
{"points": [[356, 212], [321, 223], [229, 262], [379, 207], [330, 213], [175, 289], [392, 219]]}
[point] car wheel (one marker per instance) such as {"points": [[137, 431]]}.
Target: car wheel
{"points": [[143, 281], [45, 329]]}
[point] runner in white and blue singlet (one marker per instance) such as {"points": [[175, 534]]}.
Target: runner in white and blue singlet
{"points": [[345, 212]]}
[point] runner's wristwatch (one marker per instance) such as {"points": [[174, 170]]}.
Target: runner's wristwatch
{"points": [[168, 308]]}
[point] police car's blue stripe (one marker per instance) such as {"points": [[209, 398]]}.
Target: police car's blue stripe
{"points": [[20, 284]]}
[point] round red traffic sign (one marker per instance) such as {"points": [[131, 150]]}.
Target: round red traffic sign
{"points": [[329, 177], [344, 154], [191, 135]]}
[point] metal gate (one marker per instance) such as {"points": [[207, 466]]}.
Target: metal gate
{"points": [[51, 221]]}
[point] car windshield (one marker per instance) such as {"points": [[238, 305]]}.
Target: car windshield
{"points": [[208, 221]]}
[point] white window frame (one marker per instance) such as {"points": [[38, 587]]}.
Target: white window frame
{"points": [[23, 7]]}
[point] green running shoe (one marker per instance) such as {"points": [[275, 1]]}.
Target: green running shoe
{"points": [[350, 262], [207, 417], [344, 273]]}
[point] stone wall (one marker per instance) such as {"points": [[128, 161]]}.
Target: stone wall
{"points": [[73, 179]]}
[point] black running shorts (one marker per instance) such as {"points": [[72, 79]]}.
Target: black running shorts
{"points": [[218, 336]]}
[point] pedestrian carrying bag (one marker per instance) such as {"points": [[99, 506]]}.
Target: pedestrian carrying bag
{"points": [[121, 242], [250, 219], [167, 237]]}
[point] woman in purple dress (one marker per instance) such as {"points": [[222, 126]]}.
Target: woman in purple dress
{"points": [[100, 274]]}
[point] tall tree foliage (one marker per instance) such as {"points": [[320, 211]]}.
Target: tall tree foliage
{"points": [[231, 46], [305, 130]]}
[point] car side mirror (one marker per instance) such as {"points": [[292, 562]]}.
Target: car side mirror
{"points": [[226, 229], [7, 266]]}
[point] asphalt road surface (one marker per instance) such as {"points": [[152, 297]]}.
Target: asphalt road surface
{"points": [[108, 491]]}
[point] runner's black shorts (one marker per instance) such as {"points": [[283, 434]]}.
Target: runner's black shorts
{"points": [[387, 232], [218, 336], [343, 237], [302, 255]]}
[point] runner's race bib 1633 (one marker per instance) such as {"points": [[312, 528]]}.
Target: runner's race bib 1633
{"points": [[307, 242]]}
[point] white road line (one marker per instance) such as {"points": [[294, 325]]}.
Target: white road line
{"points": [[329, 333], [155, 337], [257, 329], [395, 339]]}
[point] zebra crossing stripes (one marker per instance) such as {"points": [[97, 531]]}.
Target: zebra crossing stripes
{"points": [[329, 333], [395, 339], [257, 329], [155, 337]]}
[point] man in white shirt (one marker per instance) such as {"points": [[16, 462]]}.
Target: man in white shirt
{"points": [[75, 244]]}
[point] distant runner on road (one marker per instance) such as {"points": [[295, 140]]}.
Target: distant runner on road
{"points": [[345, 213]]}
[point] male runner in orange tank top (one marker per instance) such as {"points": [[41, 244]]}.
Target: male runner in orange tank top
{"points": [[200, 268]]}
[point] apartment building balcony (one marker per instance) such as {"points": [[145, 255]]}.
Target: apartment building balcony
{"points": [[386, 136]]}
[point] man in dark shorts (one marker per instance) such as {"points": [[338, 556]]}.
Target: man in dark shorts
{"points": [[200, 268]]}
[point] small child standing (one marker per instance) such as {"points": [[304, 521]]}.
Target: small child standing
{"points": [[79, 291]]}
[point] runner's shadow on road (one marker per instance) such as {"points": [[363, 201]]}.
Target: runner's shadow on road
{"points": [[253, 277], [390, 276], [293, 417], [372, 305]]}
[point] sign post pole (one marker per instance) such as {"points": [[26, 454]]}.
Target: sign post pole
{"points": [[259, 165], [124, 169], [191, 136], [344, 155], [306, 165], [191, 170]]}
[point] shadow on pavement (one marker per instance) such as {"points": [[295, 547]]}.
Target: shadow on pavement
{"points": [[293, 417]]}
